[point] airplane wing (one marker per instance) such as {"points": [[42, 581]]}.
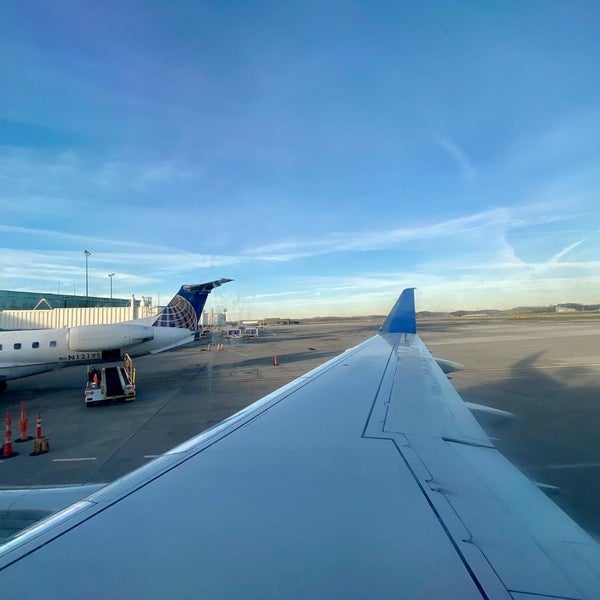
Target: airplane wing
{"points": [[366, 478]]}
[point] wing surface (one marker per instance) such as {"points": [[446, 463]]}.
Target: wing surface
{"points": [[366, 478]]}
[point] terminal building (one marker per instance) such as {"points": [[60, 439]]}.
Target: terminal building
{"points": [[214, 319], [34, 310]]}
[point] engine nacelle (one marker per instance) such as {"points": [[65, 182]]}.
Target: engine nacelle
{"points": [[89, 338]]}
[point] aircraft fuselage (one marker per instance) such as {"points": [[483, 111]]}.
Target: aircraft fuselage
{"points": [[28, 352]]}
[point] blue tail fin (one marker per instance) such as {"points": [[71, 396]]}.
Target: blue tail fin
{"points": [[402, 317], [185, 309]]}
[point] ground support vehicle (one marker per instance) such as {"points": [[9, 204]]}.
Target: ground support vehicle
{"points": [[105, 384]]}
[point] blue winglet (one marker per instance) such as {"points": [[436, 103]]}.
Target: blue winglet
{"points": [[402, 317]]}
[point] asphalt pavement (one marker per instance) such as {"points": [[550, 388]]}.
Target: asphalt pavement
{"points": [[547, 373]]}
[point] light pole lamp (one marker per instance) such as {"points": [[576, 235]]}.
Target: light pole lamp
{"points": [[111, 275], [87, 253]]}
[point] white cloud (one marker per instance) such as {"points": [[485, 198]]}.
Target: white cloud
{"points": [[457, 154], [482, 223], [68, 178], [463, 262], [560, 255], [560, 142]]}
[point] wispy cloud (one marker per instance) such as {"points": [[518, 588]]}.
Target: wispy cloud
{"points": [[570, 140], [45, 236], [500, 219], [141, 177], [478, 241], [457, 154], [560, 255], [68, 177]]}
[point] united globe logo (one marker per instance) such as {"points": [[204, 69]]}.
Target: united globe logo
{"points": [[178, 313]]}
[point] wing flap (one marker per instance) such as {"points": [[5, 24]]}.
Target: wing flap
{"points": [[519, 541], [488, 507], [422, 401]]}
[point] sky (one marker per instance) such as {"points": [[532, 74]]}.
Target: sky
{"points": [[324, 155]]}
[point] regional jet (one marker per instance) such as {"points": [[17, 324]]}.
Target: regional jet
{"points": [[25, 353], [368, 477]]}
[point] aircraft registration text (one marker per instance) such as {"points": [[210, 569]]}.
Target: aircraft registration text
{"points": [[83, 356]]}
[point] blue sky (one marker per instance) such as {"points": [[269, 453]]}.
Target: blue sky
{"points": [[322, 154]]}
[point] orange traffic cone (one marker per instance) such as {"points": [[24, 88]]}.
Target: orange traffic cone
{"points": [[41, 445], [38, 427], [23, 426], [7, 449]]}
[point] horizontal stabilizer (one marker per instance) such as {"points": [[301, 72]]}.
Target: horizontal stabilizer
{"points": [[402, 317], [185, 309], [205, 287]]}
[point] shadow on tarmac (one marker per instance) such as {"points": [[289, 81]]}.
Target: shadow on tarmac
{"points": [[554, 437]]}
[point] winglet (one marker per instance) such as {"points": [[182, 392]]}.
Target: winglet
{"points": [[402, 317]]}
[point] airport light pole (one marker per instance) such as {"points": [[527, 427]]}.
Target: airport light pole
{"points": [[87, 253], [111, 275]]}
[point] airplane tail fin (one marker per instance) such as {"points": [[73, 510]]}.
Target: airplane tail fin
{"points": [[402, 318], [185, 309]]}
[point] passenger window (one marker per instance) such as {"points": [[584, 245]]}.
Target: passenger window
{"points": [[17, 346], [35, 345], [52, 344]]}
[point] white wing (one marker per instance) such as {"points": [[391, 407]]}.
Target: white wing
{"points": [[366, 478]]}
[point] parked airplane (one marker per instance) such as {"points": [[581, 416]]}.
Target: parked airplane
{"points": [[366, 478], [25, 353]]}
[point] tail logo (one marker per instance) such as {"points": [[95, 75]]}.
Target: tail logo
{"points": [[178, 313]]}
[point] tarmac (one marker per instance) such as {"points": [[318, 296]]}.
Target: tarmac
{"points": [[546, 372]]}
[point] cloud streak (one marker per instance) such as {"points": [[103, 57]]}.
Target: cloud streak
{"points": [[467, 170], [567, 250], [501, 219]]}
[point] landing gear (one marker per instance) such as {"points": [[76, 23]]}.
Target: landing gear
{"points": [[3, 386]]}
